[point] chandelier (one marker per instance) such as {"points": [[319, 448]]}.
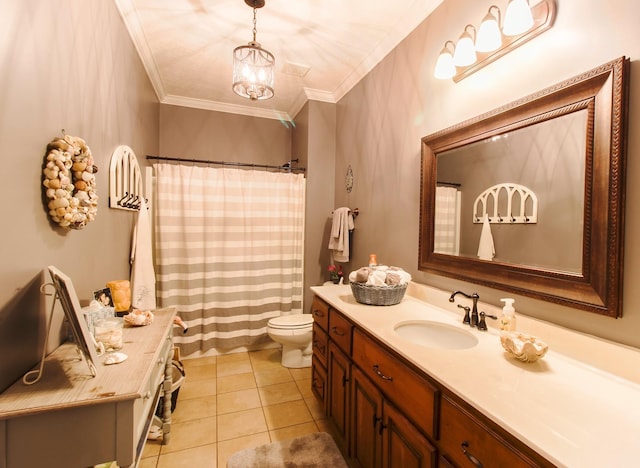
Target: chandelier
{"points": [[253, 66]]}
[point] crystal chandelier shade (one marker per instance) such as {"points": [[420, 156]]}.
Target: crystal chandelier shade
{"points": [[253, 66]]}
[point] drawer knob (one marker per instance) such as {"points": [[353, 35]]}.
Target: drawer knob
{"points": [[465, 445], [376, 369], [318, 313], [337, 331]]}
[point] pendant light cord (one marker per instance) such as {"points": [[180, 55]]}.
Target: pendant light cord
{"points": [[255, 28]]}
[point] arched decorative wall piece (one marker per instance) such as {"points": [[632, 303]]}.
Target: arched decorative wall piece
{"points": [[125, 180], [507, 204]]}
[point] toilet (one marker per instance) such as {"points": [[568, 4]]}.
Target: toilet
{"points": [[294, 333]]}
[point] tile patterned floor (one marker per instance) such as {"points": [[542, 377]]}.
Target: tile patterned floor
{"points": [[232, 402]]}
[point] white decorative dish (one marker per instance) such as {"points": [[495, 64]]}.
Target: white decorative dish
{"points": [[523, 347]]}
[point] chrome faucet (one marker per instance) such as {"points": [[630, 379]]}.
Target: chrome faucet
{"points": [[473, 321]]}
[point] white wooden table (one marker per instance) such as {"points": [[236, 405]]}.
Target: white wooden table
{"points": [[69, 419]]}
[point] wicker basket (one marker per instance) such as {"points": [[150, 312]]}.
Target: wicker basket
{"points": [[378, 295]]}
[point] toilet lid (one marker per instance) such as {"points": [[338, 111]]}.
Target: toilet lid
{"points": [[291, 322]]}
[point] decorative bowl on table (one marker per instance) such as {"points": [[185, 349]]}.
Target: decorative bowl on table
{"points": [[523, 347]]}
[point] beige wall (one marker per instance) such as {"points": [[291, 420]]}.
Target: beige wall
{"points": [[216, 136], [314, 142], [64, 65], [381, 120]]}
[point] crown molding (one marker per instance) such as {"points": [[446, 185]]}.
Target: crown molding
{"points": [[225, 107]]}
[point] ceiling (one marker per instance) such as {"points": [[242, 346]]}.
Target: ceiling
{"points": [[322, 47]]}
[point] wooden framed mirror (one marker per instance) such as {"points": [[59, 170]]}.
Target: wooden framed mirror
{"points": [[567, 144]]}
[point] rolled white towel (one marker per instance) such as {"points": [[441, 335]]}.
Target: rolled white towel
{"points": [[404, 276], [377, 278]]}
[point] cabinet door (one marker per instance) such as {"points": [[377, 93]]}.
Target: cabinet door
{"points": [[319, 382], [366, 421], [410, 392], [339, 370], [402, 444]]}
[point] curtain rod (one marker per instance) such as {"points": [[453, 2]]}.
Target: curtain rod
{"points": [[285, 167], [450, 184]]}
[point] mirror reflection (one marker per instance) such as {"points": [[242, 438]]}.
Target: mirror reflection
{"points": [[548, 159]]}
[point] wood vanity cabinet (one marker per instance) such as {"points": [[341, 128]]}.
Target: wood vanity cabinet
{"points": [[320, 345], [382, 437], [339, 376], [319, 365], [388, 413], [469, 440], [331, 366]]}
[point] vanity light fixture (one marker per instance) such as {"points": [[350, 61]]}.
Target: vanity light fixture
{"points": [[253, 66], [521, 23], [465, 53]]}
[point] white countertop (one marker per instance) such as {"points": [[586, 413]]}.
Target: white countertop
{"points": [[573, 413]]}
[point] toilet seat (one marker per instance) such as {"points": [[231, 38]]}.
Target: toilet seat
{"points": [[291, 322]]}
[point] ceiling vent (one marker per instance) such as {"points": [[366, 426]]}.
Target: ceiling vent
{"points": [[296, 69]]}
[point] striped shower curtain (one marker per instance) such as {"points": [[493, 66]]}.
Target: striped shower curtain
{"points": [[446, 235], [229, 251]]}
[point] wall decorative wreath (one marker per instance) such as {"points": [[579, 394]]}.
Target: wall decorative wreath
{"points": [[70, 183]]}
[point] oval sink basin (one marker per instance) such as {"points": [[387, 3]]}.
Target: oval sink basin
{"points": [[436, 334]]}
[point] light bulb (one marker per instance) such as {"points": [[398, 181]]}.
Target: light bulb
{"points": [[445, 68], [518, 18], [465, 53], [489, 37]]}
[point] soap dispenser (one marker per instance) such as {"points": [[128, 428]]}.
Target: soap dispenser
{"points": [[508, 318]]}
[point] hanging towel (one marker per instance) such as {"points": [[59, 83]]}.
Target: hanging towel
{"points": [[143, 277], [486, 249], [339, 237]]}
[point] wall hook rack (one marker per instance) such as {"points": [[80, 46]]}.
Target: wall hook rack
{"points": [[501, 201], [125, 181]]}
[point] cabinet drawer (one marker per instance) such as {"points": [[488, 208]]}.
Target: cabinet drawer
{"points": [[410, 392], [320, 341], [340, 330], [320, 312], [467, 441]]}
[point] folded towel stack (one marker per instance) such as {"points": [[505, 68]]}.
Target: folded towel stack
{"points": [[380, 275]]}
